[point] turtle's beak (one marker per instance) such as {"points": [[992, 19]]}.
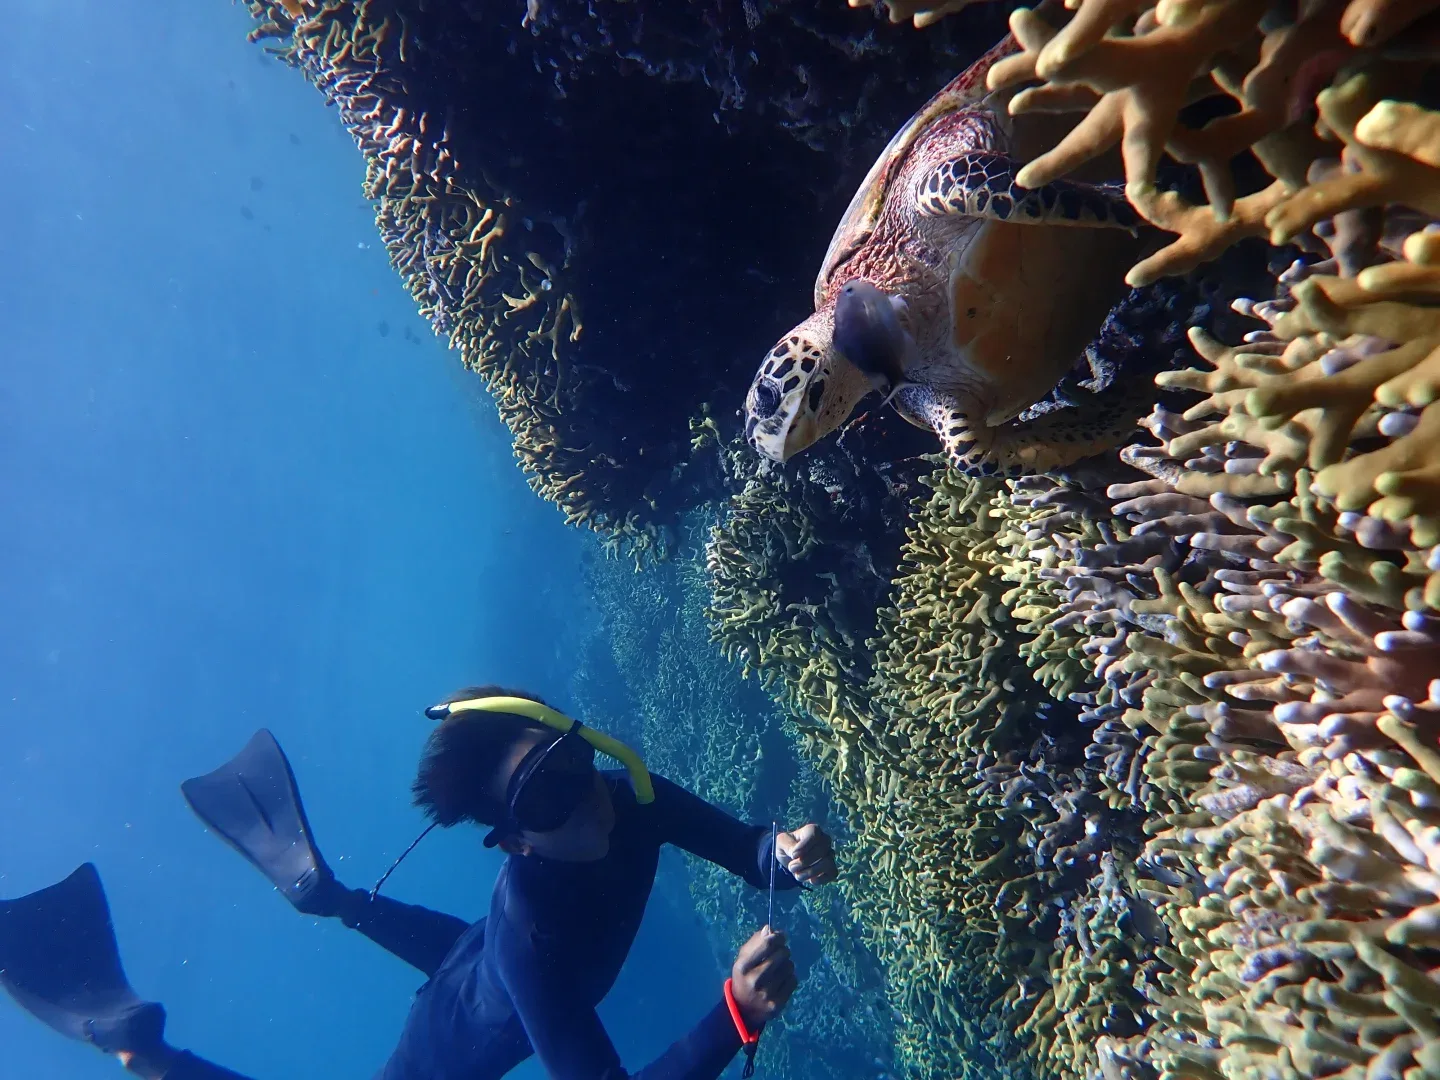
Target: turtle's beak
{"points": [[781, 437], [769, 437]]}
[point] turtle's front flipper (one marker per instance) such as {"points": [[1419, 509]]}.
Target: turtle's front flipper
{"points": [[1053, 440], [981, 184]]}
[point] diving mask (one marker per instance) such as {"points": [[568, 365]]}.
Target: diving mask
{"points": [[549, 783]]}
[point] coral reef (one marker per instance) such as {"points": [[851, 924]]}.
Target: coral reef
{"points": [[725, 741], [1134, 68], [980, 836], [818, 75], [480, 271], [1284, 901], [1143, 775]]}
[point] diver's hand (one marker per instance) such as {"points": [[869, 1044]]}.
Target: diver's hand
{"points": [[808, 854], [763, 977]]}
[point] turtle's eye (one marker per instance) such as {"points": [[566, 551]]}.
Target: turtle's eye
{"points": [[767, 399]]}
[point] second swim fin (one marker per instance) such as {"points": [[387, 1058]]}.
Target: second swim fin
{"points": [[251, 802], [59, 960]]}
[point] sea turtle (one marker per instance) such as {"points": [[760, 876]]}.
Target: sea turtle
{"points": [[998, 288]]}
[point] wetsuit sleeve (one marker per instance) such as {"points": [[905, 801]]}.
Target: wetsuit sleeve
{"points": [[417, 935], [703, 829], [569, 1039]]}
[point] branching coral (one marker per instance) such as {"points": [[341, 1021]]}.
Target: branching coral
{"points": [[1134, 68], [1253, 803], [921, 13], [973, 821], [1263, 716], [1210, 658], [1294, 591]]}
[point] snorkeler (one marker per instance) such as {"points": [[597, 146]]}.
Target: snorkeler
{"points": [[583, 848]]}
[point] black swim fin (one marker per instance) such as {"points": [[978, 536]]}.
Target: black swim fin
{"points": [[251, 802], [59, 960]]}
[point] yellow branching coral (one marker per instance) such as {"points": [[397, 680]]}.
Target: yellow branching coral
{"points": [[1377, 169], [1341, 386], [1132, 67], [1287, 875]]}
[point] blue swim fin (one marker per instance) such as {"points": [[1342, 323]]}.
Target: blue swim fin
{"points": [[60, 962], [252, 803]]}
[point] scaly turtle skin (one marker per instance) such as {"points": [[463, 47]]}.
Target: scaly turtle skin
{"points": [[1003, 288]]}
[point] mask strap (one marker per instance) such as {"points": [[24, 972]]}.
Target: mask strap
{"points": [[396, 864]]}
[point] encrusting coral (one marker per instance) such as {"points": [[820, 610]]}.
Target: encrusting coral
{"points": [[480, 275], [723, 739]]}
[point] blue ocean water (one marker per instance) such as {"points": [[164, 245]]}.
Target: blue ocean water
{"points": [[246, 487]]}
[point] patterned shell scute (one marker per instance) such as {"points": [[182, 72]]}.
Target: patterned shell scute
{"points": [[966, 90]]}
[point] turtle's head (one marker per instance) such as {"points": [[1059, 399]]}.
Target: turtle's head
{"points": [[803, 391]]}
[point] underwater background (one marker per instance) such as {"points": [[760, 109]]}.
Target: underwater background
{"points": [[1114, 669]]}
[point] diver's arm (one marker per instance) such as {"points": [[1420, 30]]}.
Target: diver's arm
{"points": [[688, 821], [569, 1039], [419, 936]]}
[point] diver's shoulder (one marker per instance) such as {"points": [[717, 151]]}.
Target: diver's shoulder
{"points": [[622, 784], [622, 788]]}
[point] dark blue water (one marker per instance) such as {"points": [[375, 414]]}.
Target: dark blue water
{"points": [[244, 486]]}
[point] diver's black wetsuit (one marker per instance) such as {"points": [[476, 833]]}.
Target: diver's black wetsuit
{"points": [[527, 979]]}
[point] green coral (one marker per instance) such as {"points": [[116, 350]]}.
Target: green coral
{"points": [[930, 754], [722, 739]]}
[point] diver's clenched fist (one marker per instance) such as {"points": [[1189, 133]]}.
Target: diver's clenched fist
{"points": [[763, 977], [808, 854]]}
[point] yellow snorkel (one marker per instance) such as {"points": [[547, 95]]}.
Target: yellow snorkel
{"points": [[639, 775]]}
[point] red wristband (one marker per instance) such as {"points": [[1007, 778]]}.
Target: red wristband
{"points": [[747, 1037]]}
